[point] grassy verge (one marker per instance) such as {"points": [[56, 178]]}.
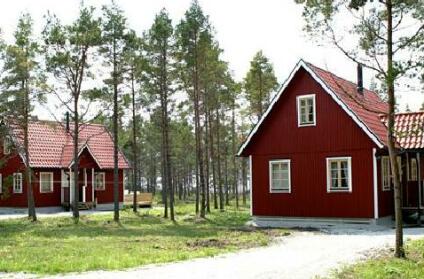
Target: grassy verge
{"points": [[57, 245], [387, 266]]}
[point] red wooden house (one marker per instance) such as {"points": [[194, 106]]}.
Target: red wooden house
{"points": [[51, 159], [319, 153]]}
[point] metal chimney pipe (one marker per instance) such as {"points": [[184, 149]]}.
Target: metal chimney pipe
{"points": [[67, 121], [360, 85]]}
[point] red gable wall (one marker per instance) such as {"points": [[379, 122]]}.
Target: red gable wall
{"points": [[335, 135]]}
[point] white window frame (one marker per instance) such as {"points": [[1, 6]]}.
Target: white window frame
{"points": [[329, 160], [7, 145], [15, 175], [413, 170], [301, 97], [51, 182], [104, 181], [283, 161], [386, 179]]}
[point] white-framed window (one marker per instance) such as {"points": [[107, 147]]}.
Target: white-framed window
{"points": [[99, 181], [339, 174], [385, 173], [306, 113], [46, 182], [65, 179], [279, 176], [17, 183], [7, 145], [413, 170], [1, 183]]}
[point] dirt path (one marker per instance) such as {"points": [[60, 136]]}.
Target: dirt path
{"points": [[302, 255]]}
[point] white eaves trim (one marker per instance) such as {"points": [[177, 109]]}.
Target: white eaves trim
{"points": [[91, 153], [302, 64]]}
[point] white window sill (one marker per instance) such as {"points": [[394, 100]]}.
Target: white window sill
{"points": [[280, 192], [339, 191], [307, 125]]}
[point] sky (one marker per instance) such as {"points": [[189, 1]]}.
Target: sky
{"points": [[242, 28]]}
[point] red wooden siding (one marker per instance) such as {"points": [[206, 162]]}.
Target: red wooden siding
{"points": [[334, 135], [14, 164]]}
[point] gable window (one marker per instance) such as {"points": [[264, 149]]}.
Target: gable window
{"points": [[17, 183], [306, 115], [7, 145], [413, 170], [339, 174], [99, 181], [279, 176], [385, 173], [46, 182]]}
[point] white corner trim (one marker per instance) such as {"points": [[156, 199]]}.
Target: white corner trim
{"points": [[349, 166], [251, 184], [302, 64], [308, 96], [284, 161], [375, 183]]}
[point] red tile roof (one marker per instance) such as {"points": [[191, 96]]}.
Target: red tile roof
{"points": [[409, 129], [51, 146], [367, 109], [368, 106]]}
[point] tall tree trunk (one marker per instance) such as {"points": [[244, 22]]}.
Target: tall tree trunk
{"points": [[212, 156], [233, 155], [134, 145], [28, 172], [218, 161], [206, 157], [75, 208], [227, 198], [115, 139], [399, 250]]}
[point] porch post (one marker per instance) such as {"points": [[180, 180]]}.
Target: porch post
{"points": [[84, 187], [419, 187]]}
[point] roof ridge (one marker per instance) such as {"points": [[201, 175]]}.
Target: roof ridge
{"points": [[345, 79], [409, 112]]}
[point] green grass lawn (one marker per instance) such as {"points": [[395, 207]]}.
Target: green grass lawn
{"points": [[389, 267], [57, 245]]}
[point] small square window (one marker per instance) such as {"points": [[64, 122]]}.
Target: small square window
{"points": [[279, 176], [339, 174], [306, 110]]}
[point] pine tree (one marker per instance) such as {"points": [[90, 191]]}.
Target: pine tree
{"points": [[115, 35], [259, 83], [22, 86], [158, 83], [68, 53]]}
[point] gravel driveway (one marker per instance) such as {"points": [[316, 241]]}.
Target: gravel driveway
{"points": [[302, 255]]}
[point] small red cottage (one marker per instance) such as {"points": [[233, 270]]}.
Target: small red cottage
{"points": [[319, 153], [51, 159]]}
